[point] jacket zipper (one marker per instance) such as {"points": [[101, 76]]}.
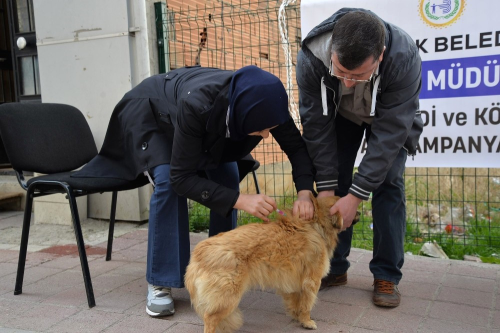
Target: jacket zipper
{"points": [[333, 91]]}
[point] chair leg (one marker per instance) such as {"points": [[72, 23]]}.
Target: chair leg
{"points": [[81, 248], [111, 226], [24, 242], [257, 188]]}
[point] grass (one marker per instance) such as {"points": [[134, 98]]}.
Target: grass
{"points": [[446, 191], [481, 239]]}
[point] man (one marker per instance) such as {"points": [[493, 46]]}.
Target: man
{"points": [[360, 75], [189, 121]]}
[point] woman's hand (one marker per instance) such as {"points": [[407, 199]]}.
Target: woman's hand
{"points": [[303, 206], [258, 205]]}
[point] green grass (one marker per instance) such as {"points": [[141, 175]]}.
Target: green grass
{"points": [[482, 237]]}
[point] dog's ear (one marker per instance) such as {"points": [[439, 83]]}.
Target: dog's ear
{"points": [[337, 221]]}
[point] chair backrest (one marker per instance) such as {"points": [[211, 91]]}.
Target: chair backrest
{"points": [[4, 159], [45, 138]]}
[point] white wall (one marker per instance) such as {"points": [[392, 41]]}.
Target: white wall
{"points": [[90, 54]]}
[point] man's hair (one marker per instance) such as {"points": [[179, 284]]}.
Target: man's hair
{"points": [[357, 36]]}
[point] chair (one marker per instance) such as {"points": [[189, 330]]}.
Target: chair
{"points": [[55, 139], [246, 165]]}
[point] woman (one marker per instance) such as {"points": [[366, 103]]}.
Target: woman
{"points": [[170, 127]]}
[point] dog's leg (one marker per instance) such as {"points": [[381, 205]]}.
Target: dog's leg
{"points": [[226, 320], [306, 300], [291, 301]]}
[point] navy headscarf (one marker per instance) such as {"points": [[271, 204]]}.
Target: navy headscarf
{"points": [[257, 100]]}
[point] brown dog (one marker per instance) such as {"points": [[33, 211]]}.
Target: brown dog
{"points": [[289, 255]]}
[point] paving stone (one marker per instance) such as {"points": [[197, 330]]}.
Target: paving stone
{"points": [[460, 313], [437, 296], [346, 295], [41, 317], [471, 270], [263, 321], [185, 328], [143, 324], [269, 302], [88, 321], [8, 255], [471, 283], [427, 277], [430, 325], [464, 296], [388, 320], [7, 268], [128, 268], [336, 313], [137, 286], [117, 301], [12, 310], [418, 290]]}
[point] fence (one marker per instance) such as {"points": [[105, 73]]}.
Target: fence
{"points": [[455, 206]]}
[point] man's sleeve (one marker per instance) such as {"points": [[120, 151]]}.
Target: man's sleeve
{"points": [[395, 112], [318, 128]]}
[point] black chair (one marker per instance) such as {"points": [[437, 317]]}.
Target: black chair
{"points": [[246, 165], [55, 139]]}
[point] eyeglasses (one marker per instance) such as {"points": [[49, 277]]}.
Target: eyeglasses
{"points": [[330, 71]]}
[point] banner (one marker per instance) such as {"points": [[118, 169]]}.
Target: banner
{"points": [[459, 43]]}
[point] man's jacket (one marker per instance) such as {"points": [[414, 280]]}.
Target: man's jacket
{"points": [[396, 124]]}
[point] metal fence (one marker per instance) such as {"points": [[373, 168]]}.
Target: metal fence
{"points": [[454, 206]]}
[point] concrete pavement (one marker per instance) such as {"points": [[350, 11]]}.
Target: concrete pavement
{"points": [[438, 295]]}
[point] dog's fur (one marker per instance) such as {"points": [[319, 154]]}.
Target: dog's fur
{"points": [[289, 255]]}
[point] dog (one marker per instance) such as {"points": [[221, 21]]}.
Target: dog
{"points": [[289, 255]]}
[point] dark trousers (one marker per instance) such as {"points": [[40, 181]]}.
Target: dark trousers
{"points": [[388, 207], [168, 230]]}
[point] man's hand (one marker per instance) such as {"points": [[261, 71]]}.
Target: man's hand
{"points": [[303, 206], [258, 205], [347, 206]]}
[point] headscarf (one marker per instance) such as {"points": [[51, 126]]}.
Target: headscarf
{"points": [[257, 100]]}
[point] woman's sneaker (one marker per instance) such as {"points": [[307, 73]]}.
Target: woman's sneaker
{"points": [[160, 301]]}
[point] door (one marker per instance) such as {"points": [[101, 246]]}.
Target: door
{"points": [[7, 86], [24, 51]]}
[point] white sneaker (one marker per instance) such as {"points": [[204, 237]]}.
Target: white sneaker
{"points": [[160, 301]]}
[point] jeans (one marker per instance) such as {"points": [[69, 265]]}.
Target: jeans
{"points": [[388, 208], [168, 231]]}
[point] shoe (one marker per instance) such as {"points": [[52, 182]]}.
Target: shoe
{"points": [[160, 302], [333, 280], [386, 293]]}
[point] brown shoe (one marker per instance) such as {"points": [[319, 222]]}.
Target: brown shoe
{"points": [[386, 293], [333, 280]]}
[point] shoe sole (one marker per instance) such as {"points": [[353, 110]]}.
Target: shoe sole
{"points": [[387, 305], [161, 314], [336, 284]]}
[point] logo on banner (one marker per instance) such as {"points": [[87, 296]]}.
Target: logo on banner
{"points": [[441, 13]]}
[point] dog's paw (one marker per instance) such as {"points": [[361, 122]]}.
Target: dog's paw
{"points": [[310, 324]]}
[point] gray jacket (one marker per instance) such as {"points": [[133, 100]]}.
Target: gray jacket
{"points": [[396, 124]]}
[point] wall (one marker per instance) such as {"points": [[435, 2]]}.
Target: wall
{"points": [[90, 54]]}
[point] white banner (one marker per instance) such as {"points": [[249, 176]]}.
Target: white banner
{"points": [[459, 43]]}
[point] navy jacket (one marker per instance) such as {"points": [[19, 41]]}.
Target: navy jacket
{"points": [[179, 118]]}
